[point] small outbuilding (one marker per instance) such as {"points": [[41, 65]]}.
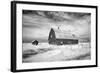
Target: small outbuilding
{"points": [[35, 42]]}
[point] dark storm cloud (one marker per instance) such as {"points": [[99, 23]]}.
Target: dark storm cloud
{"points": [[57, 15]]}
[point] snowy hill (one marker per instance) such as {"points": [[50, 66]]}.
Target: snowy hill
{"points": [[44, 52]]}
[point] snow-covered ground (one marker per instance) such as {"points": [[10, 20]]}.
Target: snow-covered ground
{"points": [[44, 52]]}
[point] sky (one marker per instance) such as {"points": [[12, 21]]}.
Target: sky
{"points": [[36, 25]]}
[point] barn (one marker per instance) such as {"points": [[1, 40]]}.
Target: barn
{"points": [[59, 41]]}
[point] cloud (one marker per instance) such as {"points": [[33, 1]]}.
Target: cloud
{"points": [[37, 24]]}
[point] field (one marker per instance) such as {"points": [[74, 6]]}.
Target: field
{"points": [[44, 52]]}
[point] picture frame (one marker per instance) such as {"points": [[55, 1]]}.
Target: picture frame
{"points": [[28, 16]]}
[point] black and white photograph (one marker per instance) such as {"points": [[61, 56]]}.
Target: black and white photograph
{"points": [[55, 36], [47, 36]]}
